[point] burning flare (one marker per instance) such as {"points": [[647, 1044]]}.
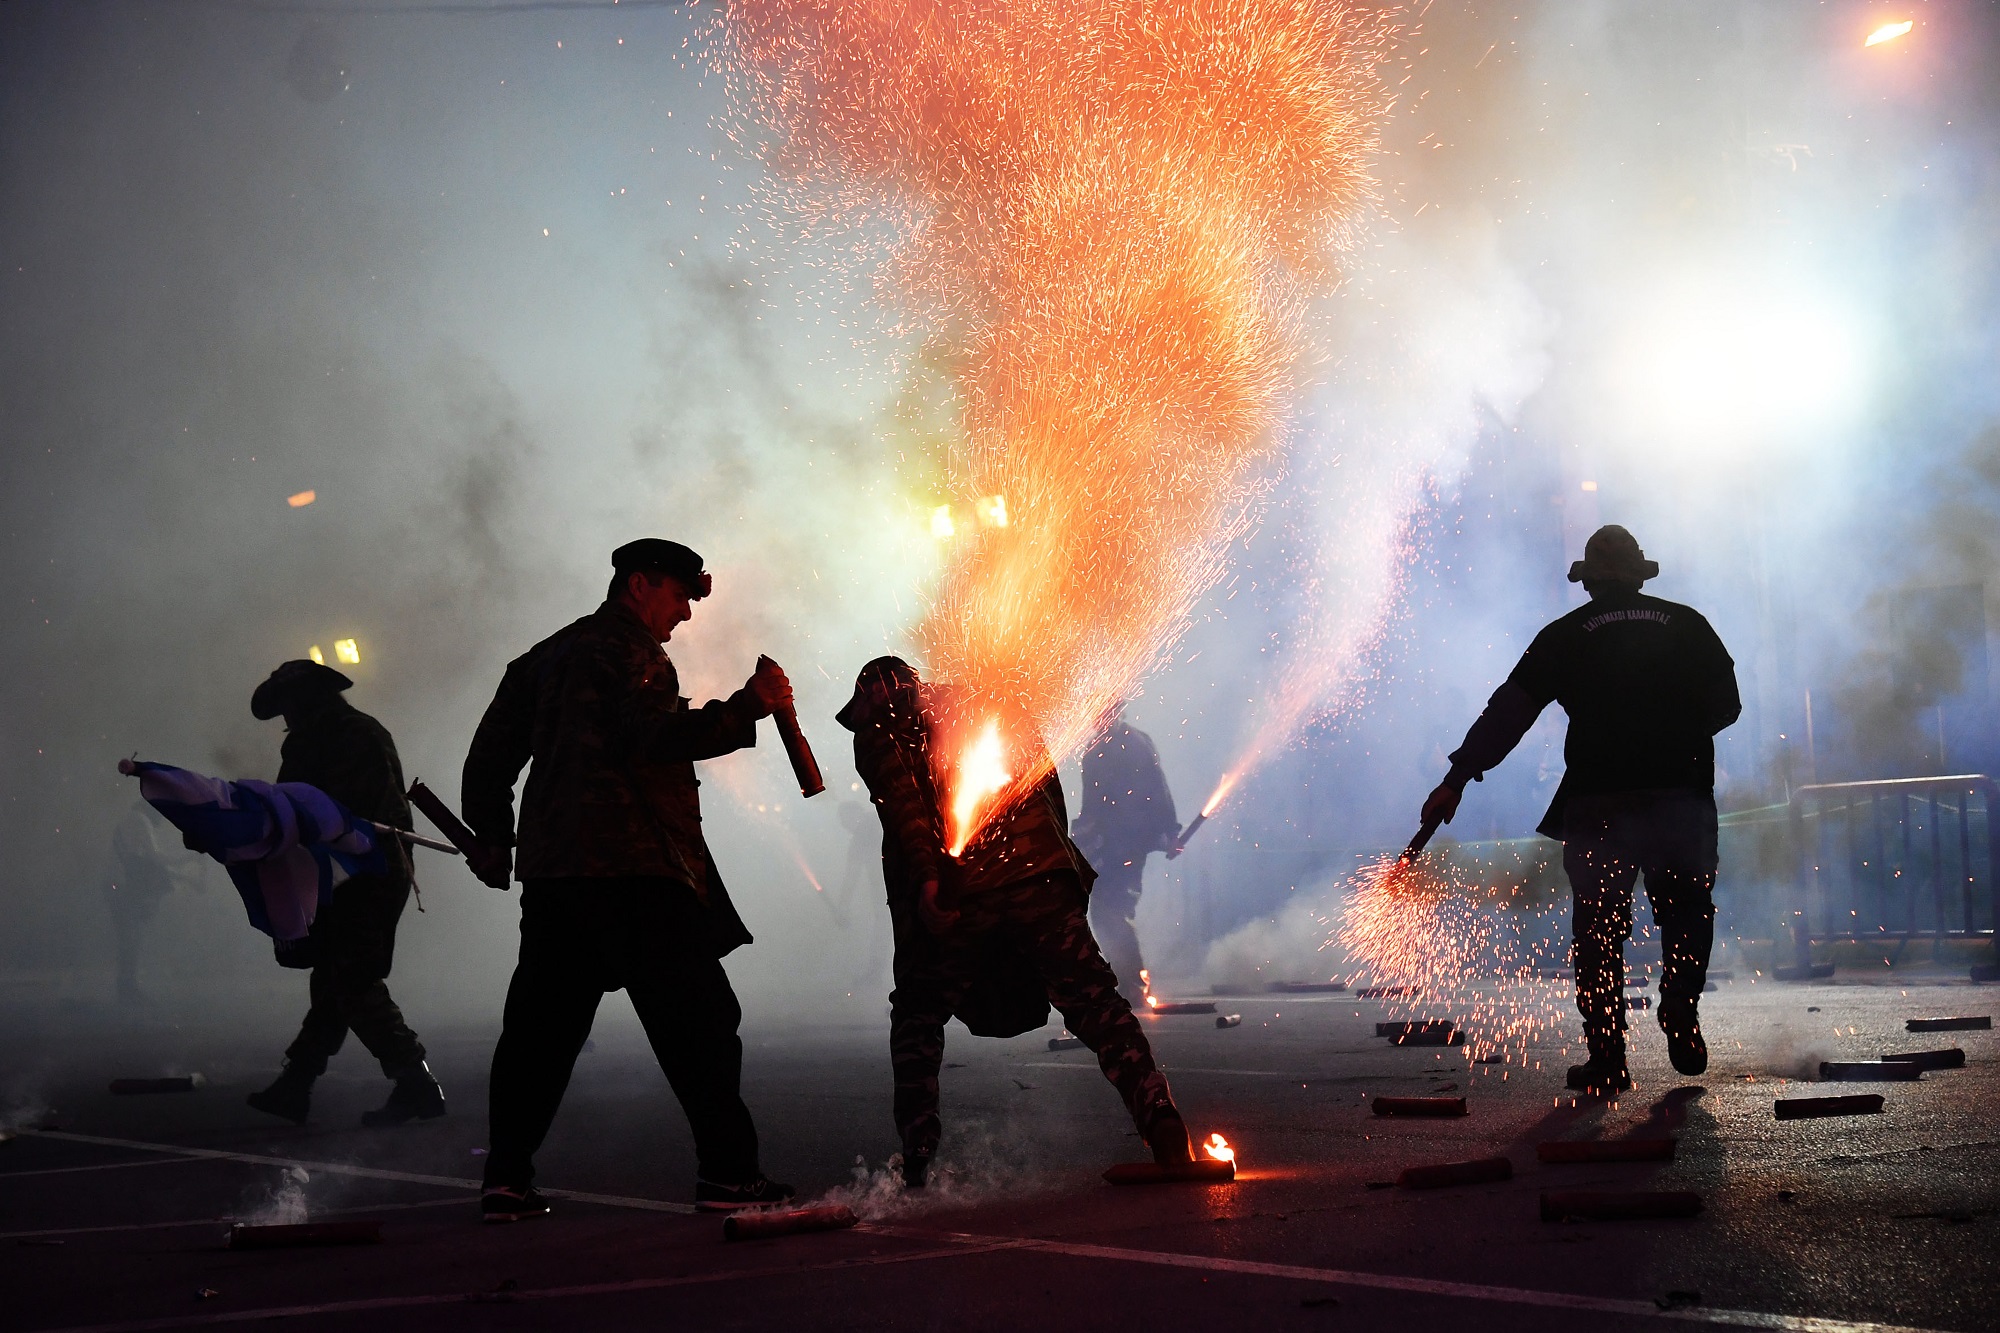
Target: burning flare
{"points": [[981, 774], [1109, 217], [1218, 1148]]}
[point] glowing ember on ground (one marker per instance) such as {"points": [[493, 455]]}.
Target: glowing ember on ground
{"points": [[1110, 217], [981, 775], [1889, 32], [1218, 1148], [302, 499]]}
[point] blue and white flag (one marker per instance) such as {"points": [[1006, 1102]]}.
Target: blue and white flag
{"points": [[286, 845]]}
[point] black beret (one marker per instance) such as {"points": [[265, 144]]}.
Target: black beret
{"points": [[651, 555], [292, 680]]}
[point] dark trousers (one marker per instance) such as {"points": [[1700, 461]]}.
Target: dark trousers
{"points": [[1042, 917], [646, 936], [1609, 841], [1114, 904], [354, 939]]}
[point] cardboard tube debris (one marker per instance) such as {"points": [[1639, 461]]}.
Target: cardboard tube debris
{"points": [[1571, 1151], [763, 1224], [1307, 987], [132, 1087], [292, 1235], [1812, 1108], [1201, 1171], [1954, 1058], [1425, 1032], [1869, 1071], [1980, 1023], [1180, 1006], [1229, 1020], [1384, 992], [1628, 1206], [1065, 1043], [1482, 1172], [1424, 1106]]}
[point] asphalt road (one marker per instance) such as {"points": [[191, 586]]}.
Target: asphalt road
{"points": [[115, 1217]]}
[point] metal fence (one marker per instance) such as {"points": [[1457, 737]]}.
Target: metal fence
{"points": [[1894, 861]]}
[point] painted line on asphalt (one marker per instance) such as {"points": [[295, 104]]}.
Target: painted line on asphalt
{"points": [[1556, 1300], [362, 1172], [226, 1221], [100, 1166], [536, 1294]]}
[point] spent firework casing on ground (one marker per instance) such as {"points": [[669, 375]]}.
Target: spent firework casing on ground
{"points": [[1570, 1151], [1484, 1171], [1965, 1023], [1229, 1020], [1619, 1206], [1950, 1058], [1423, 1032], [1813, 1108], [1384, 992], [292, 1235], [1870, 1071], [764, 1223]]}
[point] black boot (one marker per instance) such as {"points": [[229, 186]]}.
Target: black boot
{"points": [[917, 1164], [1685, 1047], [1167, 1136], [416, 1096], [1604, 1074], [289, 1098]]}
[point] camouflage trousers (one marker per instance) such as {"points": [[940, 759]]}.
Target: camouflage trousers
{"points": [[1609, 841], [1044, 919], [355, 940]]}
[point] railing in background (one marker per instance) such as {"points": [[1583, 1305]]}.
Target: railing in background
{"points": [[1893, 861]]}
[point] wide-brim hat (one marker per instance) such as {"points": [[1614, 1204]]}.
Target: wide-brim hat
{"points": [[1612, 555], [296, 679]]}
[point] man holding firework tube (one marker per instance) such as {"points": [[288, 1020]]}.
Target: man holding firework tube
{"points": [[618, 887], [1128, 814], [968, 927], [1647, 685]]}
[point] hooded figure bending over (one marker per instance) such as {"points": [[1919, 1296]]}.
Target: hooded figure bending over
{"points": [[974, 931]]}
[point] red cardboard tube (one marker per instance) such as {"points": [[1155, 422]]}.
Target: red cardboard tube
{"points": [[1954, 1058], [1481, 1172], [1812, 1108], [292, 1235], [1632, 1206], [1606, 1150], [1424, 1106], [1201, 1171], [762, 1224]]}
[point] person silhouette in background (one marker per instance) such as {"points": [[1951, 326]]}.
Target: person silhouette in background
{"points": [[1127, 814]]}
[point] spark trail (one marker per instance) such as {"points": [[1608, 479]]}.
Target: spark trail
{"points": [[1110, 214]]}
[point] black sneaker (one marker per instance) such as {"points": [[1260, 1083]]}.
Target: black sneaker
{"points": [[1600, 1078], [289, 1098], [505, 1205], [710, 1197], [1685, 1046], [416, 1096], [917, 1164], [1167, 1136]]}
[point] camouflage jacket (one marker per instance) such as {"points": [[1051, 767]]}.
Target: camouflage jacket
{"points": [[612, 793], [892, 752], [352, 758]]}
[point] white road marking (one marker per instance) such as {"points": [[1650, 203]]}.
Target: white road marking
{"points": [[100, 1166], [225, 1221]]}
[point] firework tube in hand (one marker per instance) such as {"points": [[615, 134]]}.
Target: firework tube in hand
{"points": [[493, 865], [804, 766], [1181, 839]]}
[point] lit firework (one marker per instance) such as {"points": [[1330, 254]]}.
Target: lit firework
{"points": [[1111, 215]]}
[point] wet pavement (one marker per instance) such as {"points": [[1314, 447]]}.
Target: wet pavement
{"points": [[115, 1216]]}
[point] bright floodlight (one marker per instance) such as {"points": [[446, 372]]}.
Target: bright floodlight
{"points": [[1889, 32], [1720, 369]]}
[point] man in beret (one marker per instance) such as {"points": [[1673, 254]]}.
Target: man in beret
{"points": [[347, 754], [618, 888], [1647, 685]]}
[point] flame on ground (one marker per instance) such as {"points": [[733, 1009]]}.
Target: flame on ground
{"points": [[1218, 1148], [1108, 218]]}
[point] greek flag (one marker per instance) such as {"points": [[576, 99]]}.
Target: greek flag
{"points": [[286, 845]]}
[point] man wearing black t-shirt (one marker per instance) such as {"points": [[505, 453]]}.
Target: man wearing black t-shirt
{"points": [[1647, 685]]}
